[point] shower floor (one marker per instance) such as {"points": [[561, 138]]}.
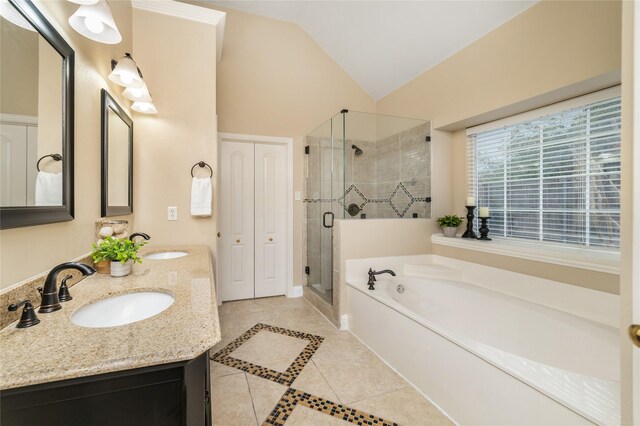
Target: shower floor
{"points": [[324, 293]]}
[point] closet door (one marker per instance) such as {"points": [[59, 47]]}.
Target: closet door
{"points": [[237, 221], [270, 219]]}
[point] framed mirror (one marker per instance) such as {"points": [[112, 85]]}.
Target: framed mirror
{"points": [[36, 119], [117, 159]]}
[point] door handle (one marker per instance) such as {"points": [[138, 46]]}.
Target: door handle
{"points": [[634, 334], [324, 219]]}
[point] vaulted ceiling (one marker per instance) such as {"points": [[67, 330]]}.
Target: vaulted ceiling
{"points": [[384, 44]]}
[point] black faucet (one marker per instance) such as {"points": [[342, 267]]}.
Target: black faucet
{"points": [[139, 234], [50, 301], [372, 276]]}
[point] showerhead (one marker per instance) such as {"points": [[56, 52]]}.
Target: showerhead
{"points": [[358, 150]]}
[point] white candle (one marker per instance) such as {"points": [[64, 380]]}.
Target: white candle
{"points": [[484, 212], [471, 201]]}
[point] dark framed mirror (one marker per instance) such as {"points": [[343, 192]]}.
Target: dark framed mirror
{"points": [[36, 119], [117, 158]]}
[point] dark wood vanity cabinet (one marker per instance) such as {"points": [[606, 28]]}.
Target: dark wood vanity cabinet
{"points": [[172, 394]]}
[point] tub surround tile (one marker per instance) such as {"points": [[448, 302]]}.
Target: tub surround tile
{"points": [[56, 349], [232, 404], [422, 412]]}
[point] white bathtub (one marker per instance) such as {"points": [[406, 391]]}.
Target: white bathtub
{"points": [[472, 339]]}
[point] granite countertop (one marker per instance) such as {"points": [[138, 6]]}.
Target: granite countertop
{"points": [[56, 349]]}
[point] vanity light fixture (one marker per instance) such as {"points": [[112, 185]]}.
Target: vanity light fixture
{"points": [[11, 14], [144, 107], [95, 22], [138, 94], [85, 2], [126, 73]]}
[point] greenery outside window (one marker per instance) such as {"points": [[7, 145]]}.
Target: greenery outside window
{"points": [[553, 174]]}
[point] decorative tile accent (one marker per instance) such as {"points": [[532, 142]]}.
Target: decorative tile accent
{"points": [[293, 398], [284, 378], [400, 200]]}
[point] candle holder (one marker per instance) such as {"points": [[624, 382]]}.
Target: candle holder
{"points": [[469, 232], [484, 229]]}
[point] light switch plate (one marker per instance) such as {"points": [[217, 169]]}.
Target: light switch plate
{"points": [[172, 213], [297, 196]]}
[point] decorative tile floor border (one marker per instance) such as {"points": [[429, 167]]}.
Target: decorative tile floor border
{"points": [[292, 398], [284, 378]]}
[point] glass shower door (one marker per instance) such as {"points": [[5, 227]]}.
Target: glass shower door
{"points": [[325, 185]]}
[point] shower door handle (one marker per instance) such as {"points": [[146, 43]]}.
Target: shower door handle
{"points": [[324, 219]]}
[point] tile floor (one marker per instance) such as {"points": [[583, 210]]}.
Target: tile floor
{"points": [[281, 362]]}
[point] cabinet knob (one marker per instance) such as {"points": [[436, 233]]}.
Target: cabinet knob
{"points": [[270, 239], [237, 241], [219, 235]]}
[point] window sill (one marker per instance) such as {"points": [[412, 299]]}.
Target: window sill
{"points": [[574, 257]]}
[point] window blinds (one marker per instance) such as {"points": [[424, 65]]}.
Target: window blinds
{"points": [[553, 177]]}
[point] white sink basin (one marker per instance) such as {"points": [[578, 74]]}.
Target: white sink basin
{"points": [[164, 255], [122, 309]]}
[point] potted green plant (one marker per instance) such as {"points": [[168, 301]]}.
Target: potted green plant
{"points": [[449, 224], [120, 253]]}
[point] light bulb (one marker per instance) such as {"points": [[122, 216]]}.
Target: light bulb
{"points": [[126, 78], [136, 93], [94, 24]]}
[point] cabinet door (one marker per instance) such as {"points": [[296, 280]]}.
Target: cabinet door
{"points": [[237, 221], [271, 218]]}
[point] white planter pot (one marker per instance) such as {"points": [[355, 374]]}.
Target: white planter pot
{"points": [[447, 231], [119, 269]]}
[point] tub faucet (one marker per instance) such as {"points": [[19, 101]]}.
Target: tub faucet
{"points": [[139, 234], [372, 276], [50, 301]]}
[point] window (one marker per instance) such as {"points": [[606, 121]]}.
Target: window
{"points": [[552, 174]]}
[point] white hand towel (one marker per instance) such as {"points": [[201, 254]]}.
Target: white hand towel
{"points": [[201, 197], [49, 189]]}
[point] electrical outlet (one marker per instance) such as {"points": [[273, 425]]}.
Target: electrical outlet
{"points": [[172, 213]]}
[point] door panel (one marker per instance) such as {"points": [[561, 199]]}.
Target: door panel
{"points": [[237, 221], [14, 164], [270, 220]]}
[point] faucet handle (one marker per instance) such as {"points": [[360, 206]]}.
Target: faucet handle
{"points": [[29, 317], [63, 293]]}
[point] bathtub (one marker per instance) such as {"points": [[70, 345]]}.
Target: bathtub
{"points": [[489, 346]]}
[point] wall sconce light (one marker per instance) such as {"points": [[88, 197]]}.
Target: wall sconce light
{"points": [[125, 72], [137, 94], [144, 107], [95, 22], [11, 14]]}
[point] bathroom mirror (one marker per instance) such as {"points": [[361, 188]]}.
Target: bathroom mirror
{"points": [[36, 119], [117, 159]]}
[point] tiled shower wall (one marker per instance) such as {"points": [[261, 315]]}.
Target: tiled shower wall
{"points": [[390, 179]]}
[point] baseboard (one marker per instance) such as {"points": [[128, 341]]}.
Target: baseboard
{"points": [[344, 321], [296, 291]]}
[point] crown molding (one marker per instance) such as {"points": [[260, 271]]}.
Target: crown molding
{"points": [[187, 11]]}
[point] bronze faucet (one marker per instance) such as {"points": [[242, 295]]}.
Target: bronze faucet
{"points": [[50, 301], [372, 276]]}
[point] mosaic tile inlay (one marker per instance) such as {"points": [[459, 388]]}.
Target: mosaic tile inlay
{"points": [[284, 378], [400, 199], [293, 398]]}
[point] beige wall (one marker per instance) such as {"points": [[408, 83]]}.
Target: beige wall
{"points": [[19, 70], [178, 58], [551, 51], [275, 80], [25, 252]]}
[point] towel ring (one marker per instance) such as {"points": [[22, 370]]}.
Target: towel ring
{"points": [[56, 157], [202, 164]]}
